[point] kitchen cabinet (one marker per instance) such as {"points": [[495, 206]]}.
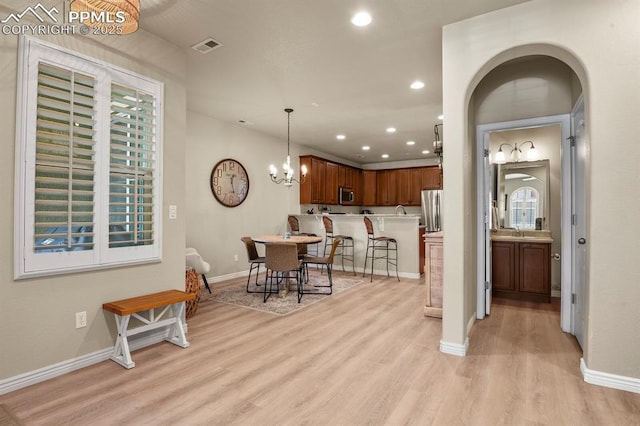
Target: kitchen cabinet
{"points": [[431, 177], [357, 187], [369, 187], [331, 183], [387, 185], [312, 190], [521, 270], [346, 176], [433, 274], [410, 186]]}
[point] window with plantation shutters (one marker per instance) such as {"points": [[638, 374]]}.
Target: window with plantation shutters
{"points": [[64, 160], [88, 153], [131, 167]]}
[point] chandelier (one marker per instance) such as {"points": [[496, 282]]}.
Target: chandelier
{"points": [[288, 178], [123, 13]]}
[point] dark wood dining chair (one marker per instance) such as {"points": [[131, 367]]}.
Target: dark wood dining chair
{"points": [[282, 263]]}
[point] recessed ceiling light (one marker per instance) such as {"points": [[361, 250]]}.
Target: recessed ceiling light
{"points": [[441, 117], [417, 85], [315, 104], [411, 142], [391, 129], [361, 19], [340, 137], [426, 151], [365, 148], [385, 155]]}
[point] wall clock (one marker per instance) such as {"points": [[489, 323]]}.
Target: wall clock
{"points": [[229, 182]]}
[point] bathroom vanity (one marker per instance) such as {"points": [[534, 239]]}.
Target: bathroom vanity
{"points": [[520, 265]]}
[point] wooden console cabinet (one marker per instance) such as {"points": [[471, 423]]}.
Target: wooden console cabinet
{"points": [[521, 270], [433, 274]]}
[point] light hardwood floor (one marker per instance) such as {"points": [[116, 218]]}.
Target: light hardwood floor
{"points": [[367, 356]]}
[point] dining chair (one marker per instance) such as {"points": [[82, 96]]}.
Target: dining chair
{"points": [[324, 261], [281, 260], [255, 260], [383, 246]]}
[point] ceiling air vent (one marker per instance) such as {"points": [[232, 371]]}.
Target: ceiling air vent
{"points": [[206, 45]]}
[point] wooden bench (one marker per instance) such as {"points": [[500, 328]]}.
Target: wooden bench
{"points": [[134, 307]]}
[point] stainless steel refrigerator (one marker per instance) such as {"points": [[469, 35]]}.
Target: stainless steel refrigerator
{"points": [[432, 210]]}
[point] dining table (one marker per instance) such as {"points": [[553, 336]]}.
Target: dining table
{"points": [[299, 240]]}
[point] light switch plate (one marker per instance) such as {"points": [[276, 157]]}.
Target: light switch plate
{"points": [[173, 212]]}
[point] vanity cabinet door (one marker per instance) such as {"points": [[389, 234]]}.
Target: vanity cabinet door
{"points": [[503, 265], [534, 268]]}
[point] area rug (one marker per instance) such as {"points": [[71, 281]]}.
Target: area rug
{"points": [[237, 295]]}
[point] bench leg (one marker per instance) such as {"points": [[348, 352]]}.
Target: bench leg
{"points": [[176, 332], [121, 353]]}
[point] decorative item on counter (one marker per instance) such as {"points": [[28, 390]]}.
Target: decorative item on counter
{"points": [[310, 211]]}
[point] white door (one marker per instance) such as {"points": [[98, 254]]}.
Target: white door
{"points": [[578, 231], [483, 205]]}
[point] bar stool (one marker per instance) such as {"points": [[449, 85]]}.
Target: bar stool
{"points": [[346, 246], [385, 246], [294, 225]]}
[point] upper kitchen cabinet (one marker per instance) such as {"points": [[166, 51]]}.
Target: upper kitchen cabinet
{"points": [[369, 187], [410, 186], [387, 183], [346, 176], [358, 191], [331, 183], [312, 190], [431, 177]]}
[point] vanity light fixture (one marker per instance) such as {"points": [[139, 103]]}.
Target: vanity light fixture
{"points": [[516, 151], [288, 178]]}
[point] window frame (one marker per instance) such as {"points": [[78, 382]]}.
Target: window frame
{"points": [[28, 263]]}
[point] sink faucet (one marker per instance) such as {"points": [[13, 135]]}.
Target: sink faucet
{"points": [[400, 207]]}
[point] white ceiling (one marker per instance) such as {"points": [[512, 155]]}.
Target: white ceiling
{"points": [[306, 54]]}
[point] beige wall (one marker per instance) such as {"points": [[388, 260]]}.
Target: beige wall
{"points": [[38, 315], [215, 230], [600, 41]]}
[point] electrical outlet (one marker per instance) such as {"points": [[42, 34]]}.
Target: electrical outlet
{"points": [[235, 257], [81, 319]]}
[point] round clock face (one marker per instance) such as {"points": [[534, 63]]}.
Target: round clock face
{"points": [[229, 182]]}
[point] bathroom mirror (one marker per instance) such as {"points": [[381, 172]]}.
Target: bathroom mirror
{"points": [[523, 195]]}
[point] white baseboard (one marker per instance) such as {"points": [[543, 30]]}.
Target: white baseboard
{"points": [[454, 348], [49, 372], [614, 381]]}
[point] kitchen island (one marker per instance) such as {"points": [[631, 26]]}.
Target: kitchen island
{"points": [[404, 228]]}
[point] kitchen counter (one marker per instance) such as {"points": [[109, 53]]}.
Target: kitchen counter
{"points": [[404, 228]]}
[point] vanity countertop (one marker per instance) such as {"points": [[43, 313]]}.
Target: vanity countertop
{"points": [[524, 236]]}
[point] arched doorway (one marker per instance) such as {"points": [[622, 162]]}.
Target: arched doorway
{"points": [[529, 92]]}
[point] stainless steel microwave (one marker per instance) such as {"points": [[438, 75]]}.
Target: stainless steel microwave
{"points": [[345, 196]]}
